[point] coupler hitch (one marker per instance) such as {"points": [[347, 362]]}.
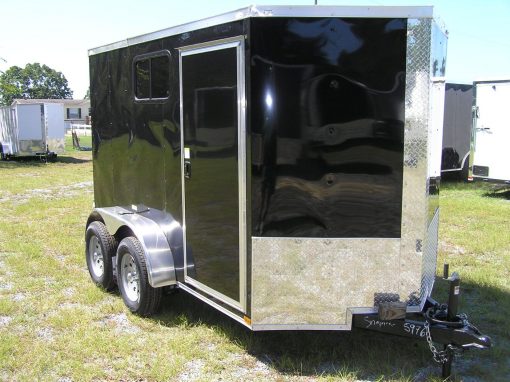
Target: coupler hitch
{"points": [[437, 324]]}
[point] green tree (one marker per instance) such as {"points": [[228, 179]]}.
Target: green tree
{"points": [[2, 59], [32, 81]]}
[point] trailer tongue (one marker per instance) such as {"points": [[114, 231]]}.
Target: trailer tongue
{"points": [[436, 323]]}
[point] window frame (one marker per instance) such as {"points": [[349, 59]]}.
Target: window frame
{"points": [[68, 113], [149, 57]]}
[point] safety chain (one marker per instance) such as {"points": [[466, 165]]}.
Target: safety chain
{"points": [[439, 356]]}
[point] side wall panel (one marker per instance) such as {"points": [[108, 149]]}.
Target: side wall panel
{"points": [[136, 145]]}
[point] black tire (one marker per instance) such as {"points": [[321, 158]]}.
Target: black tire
{"points": [[98, 238], [139, 296]]}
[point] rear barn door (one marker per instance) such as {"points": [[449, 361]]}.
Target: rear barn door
{"points": [[212, 120]]}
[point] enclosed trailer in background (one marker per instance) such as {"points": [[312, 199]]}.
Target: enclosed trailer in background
{"points": [[457, 129], [491, 131], [281, 164], [35, 129]]}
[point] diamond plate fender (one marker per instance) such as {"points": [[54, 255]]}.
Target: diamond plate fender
{"points": [[154, 229]]}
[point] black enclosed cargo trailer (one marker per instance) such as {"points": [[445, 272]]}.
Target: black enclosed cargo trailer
{"points": [[279, 163], [457, 129]]}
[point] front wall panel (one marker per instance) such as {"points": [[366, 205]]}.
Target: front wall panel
{"points": [[327, 113], [315, 281], [358, 273]]}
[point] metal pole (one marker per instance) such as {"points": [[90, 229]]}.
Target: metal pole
{"points": [[446, 370], [453, 297]]}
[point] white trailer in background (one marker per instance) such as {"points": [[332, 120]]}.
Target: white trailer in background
{"points": [[491, 131], [32, 130]]}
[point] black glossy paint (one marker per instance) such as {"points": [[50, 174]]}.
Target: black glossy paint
{"points": [[136, 144], [457, 125], [327, 118], [210, 126]]}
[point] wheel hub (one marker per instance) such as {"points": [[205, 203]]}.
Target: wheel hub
{"points": [[129, 277], [96, 257]]}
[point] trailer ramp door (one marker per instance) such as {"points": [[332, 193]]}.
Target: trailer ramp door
{"points": [[212, 119]]}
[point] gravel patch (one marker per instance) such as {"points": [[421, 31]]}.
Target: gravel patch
{"points": [[120, 323], [19, 297], [5, 287], [49, 281], [71, 305], [69, 292], [5, 320], [45, 334], [49, 193], [451, 248], [193, 371], [244, 367]]}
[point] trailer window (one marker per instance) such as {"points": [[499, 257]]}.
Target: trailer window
{"points": [[142, 79], [151, 76]]}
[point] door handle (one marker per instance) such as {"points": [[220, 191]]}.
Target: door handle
{"points": [[187, 169]]}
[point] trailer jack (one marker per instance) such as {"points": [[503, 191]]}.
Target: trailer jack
{"points": [[436, 324]]}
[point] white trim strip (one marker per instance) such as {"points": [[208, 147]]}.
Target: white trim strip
{"points": [[274, 11], [213, 304]]}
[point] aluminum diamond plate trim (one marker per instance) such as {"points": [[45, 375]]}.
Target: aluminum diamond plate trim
{"points": [[307, 281], [414, 195], [430, 258]]}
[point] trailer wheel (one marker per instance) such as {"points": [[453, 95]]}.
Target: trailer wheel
{"points": [[99, 251], [133, 280]]}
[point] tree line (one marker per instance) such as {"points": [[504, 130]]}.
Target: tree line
{"points": [[34, 81]]}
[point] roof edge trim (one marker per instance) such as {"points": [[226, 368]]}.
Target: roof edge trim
{"points": [[415, 12]]}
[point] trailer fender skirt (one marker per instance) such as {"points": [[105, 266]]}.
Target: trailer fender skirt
{"points": [[159, 256]]}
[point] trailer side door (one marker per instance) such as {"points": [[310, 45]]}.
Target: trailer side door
{"points": [[213, 160], [492, 130]]}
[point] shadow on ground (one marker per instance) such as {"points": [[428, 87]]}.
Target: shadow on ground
{"points": [[359, 354], [72, 160], [306, 353], [38, 162], [501, 192]]}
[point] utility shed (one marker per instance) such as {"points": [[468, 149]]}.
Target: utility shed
{"points": [[295, 151]]}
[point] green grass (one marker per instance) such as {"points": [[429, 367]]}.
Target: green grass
{"points": [[85, 141], [475, 241], [54, 323]]}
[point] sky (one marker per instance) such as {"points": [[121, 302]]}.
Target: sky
{"points": [[59, 33]]}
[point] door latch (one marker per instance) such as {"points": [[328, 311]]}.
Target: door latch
{"points": [[187, 169]]}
